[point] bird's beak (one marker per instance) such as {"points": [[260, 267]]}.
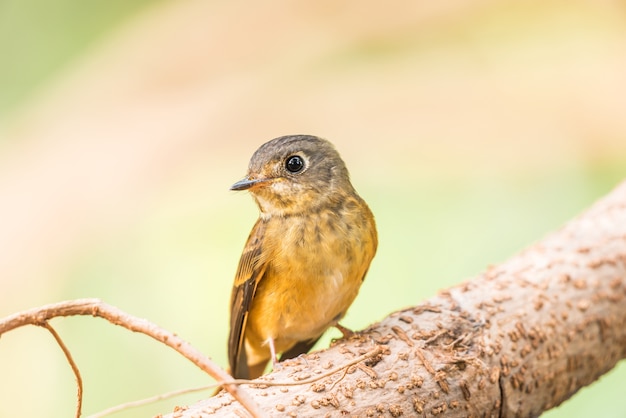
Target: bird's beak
{"points": [[246, 183]]}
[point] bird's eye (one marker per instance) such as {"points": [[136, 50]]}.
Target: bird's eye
{"points": [[294, 164]]}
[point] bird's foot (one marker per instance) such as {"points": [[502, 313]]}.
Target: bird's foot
{"points": [[275, 363], [346, 332]]}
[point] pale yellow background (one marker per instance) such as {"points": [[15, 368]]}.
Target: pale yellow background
{"points": [[473, 128]]}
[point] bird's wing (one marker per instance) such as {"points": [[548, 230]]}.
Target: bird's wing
{"points": [[252, 266]]}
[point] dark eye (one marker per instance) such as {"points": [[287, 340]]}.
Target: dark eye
{"points": [[294, 164]]}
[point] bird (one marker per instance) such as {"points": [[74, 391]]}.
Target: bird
{"points": [[305, 258]]}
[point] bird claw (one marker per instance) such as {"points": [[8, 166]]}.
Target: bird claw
{"points": [[346, 332]]}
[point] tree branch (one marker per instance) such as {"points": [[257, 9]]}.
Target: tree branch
{"points": [[515, 341], [40, 317]]}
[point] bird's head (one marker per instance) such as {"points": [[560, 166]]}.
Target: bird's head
{"points": [[293, 174]]}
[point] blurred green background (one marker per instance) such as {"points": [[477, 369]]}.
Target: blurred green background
{"points": [[471, 128]]}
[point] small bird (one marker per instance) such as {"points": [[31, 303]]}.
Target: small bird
{"points": [[306, 257]]}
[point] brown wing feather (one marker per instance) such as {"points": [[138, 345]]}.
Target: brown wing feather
{"points": [[251, 268]]}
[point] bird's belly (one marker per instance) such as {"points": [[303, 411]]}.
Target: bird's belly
{"points": [[312, 277], [292, 308], [318, 304]]}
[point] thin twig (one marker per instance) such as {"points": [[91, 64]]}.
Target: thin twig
{"points": [[343, 366], [345, 372], [68, 356], [96, 307], [146, 401], [168, 395]]}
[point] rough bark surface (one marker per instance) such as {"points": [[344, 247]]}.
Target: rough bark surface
{"points": [[513, 342]]}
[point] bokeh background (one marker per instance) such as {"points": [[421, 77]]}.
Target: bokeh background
{"points": [[472, 128]]}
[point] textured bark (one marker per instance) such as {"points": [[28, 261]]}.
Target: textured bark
{"points": [[513, 342]]}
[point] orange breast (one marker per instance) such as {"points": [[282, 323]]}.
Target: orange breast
{"points": [[314, 274]]}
